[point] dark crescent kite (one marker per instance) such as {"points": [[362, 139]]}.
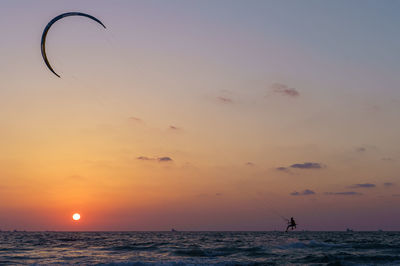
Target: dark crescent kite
{"points": [[46, 29]]}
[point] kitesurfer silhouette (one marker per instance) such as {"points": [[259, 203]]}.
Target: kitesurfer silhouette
{"points": [[291, 224]]}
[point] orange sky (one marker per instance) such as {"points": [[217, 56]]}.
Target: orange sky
{"points": [[196, 118]]}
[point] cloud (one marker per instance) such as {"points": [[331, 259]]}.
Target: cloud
{"points": [[144, 158], [388, 184], [136, 119], [387, 159], [306, 192], [284, 90], [224, 99], [159, 159], [283, 169], [307, 165], [395, 195], [250, 164], [345, 193], [203, 195], [164, 159], [174, 127], [365, 185], [361, 149], [365, 148]]}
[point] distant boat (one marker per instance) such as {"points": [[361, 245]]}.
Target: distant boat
{"points": [[349, 230], [380, 230], [173, 230]]}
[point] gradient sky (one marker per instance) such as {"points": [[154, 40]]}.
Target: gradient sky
{"points": [[200, 115]]}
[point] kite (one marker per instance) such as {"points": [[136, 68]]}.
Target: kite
{"points": [[46, 29]]}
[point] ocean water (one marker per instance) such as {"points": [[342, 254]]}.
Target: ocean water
{"points": [[200, 248]]}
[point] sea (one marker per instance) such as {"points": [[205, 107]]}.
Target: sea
{"points": [[199, 248]]}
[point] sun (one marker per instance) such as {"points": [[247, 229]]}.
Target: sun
{"points": [[76, 216]]}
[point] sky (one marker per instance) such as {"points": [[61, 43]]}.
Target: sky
{"points": [[200, 115]]}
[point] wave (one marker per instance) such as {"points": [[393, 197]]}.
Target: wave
{"points": [[309, 244], [203, 248], [348, 259], [223, 251], [181, 263], [133, 247]]}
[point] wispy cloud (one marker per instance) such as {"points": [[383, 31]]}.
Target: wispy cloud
{"points": [[387, 159], [303, 166], [361, 149], [136, 119], [249, 164], [388, 184], [283, 89], [171, 127], [366, 149], [305, 192], [307, 165], [344, 193], [364, 185], [144, 158], [224, 99], [164, 159], [159, 159]]}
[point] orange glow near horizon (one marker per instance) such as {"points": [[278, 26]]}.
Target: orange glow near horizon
{"points": [[200, 119]]}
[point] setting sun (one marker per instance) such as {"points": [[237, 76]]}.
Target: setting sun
{"points": [[76, 216]]}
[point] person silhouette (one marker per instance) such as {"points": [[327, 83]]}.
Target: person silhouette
{"points": [[291, 224]]}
